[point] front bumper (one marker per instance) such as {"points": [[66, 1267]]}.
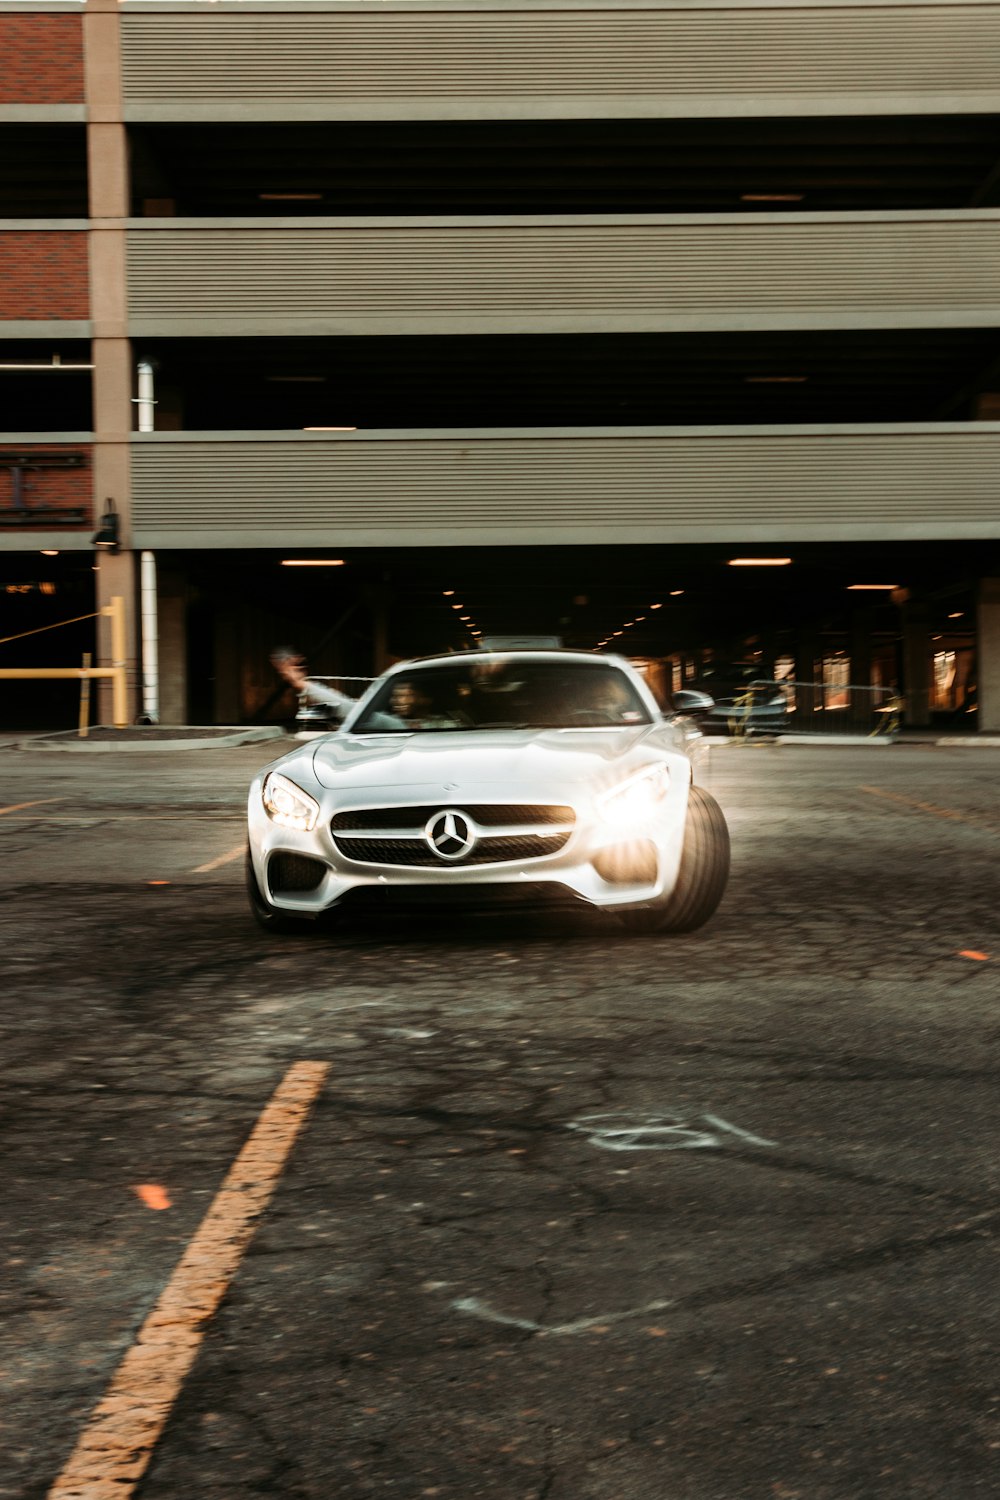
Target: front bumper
{"points": [[596, 864]]}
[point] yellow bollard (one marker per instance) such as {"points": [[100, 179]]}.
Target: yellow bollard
{"points": [[116, 613], [85, 698]]}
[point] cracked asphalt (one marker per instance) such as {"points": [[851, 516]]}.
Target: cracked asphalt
{"points": [[578, 1215]]}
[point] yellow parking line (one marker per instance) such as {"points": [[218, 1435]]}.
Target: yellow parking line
{"points": [[223, 859], [117, 1443], [932, 808], [19, 806]]}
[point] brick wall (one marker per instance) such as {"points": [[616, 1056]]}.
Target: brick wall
{"points": [[42, 59], [43, 274], [42, 498]]}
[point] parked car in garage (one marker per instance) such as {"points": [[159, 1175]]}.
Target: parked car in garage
{"points": [[744, 699], [540, 770]]}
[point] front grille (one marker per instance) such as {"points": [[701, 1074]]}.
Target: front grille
{"points": [[506, 832], [416, 854], [486, 814]]}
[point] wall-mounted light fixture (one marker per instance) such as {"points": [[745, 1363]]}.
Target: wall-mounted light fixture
{"points": [[106, 535]]}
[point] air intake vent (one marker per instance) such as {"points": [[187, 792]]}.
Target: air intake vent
{"points": [[288, 873]]}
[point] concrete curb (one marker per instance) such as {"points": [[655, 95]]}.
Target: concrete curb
{"points": [[795, 740], [970, 741], [841, 741], [76, 746]]}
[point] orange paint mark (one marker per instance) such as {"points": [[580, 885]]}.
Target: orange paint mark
{"points": [[981, 958], [157, 882], [152, 1195]]}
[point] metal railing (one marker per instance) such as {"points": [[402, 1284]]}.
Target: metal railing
{"points": [[85, 674]]}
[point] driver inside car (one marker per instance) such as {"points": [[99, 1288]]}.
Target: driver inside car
{"points": [[606, 700], [413, 708]]}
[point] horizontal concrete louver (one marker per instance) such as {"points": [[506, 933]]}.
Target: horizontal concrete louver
{"points": [[657, 484], [662, 60], [407, 275]]}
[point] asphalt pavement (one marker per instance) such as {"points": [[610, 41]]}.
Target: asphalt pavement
{"points": [[557, 1212]]}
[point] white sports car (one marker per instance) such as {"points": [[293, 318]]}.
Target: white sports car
{"points": [[547, 771]]}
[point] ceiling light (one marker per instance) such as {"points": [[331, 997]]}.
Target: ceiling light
{"points": [[771, 197], [458, 606], [466, 619], [958, 615], [290, 197], [857, 588], [614, 633], [312, 562], [656, 606], [49, 551], [448, 593], [759, 562], [674, 594]]}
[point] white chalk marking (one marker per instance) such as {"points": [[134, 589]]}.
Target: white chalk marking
{"points": [[661, 1132], [476, 1308], [223, 859], [744, 1135]]}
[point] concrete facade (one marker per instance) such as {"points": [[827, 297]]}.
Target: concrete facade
{"points": [[140, 273]]}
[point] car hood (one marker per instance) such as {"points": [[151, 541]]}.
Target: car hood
{"points": [[457, 761]]}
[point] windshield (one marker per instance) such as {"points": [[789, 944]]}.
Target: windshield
{"points": [[499, 694]]}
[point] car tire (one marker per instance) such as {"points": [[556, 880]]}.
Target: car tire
{"points": [[703, 874], [267, 916]]}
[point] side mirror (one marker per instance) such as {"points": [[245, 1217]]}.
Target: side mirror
{"points": [[691, 701], [317, 718]]}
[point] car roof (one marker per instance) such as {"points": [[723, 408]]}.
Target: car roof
{"points": [[522, 653]]}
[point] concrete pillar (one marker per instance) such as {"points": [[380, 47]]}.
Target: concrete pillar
{"points": [[115, 578], [916, 663], [862, 631], [227, 658], [988, 651], [111, 353], [807, 652], [378, 603], [807, 695], [172, 617]]}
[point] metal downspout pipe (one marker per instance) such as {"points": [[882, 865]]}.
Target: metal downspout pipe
{"points": [[150, 642], [146, 403]]}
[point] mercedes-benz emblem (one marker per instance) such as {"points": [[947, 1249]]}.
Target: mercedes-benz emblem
{"points": [[449, 834]]}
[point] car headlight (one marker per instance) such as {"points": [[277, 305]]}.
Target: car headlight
{"points": [[628, 807], [287, 804]]}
